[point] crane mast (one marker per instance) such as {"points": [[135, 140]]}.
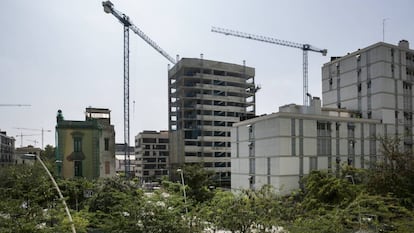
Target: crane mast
{"points": [[304, 47], [41, 130], [127, 23]]}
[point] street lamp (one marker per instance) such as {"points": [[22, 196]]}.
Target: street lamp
{"points": [[183, 184], [72, 225]]}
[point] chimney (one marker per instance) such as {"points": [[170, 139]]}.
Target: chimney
{"points": [[316, 105], [404, 44], [59, 116]]}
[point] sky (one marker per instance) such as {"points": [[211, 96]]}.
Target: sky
{"points": [[68, 55]]}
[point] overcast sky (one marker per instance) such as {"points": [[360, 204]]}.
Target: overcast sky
{"points": [[68, 54]]}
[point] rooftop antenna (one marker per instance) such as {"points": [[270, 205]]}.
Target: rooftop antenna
{"points": [[383, 28]]}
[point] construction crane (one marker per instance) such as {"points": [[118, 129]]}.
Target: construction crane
{"points": [[21, 135], [34, 141], [15, 105], [127, 23], [41, 130], [304, 47]]}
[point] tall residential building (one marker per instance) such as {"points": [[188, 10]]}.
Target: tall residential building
{"points": [[151, 155], [205, 99], [86, 148], [281, 148], [377, 82], [6, 149]]}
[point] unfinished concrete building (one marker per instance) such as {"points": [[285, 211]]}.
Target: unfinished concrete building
{"points": [[205, 99]]}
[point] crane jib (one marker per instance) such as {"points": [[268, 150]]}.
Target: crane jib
{"points": [[304, 47]]}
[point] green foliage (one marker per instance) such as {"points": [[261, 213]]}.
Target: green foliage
{"points": [[333, 204], [230, 211], [326, 223], [73, 190], [118, 206], [325, 191], [49, 158], [378, 199], [198, 181], [27, 194], [244, 211], [394, 174]]}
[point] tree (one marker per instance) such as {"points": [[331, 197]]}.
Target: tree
{"points": [[230, 211], [74, 191], [394, 173], [119, 206], [325, 191], [29, 201], [48, 157], [335, 204], [198, 181]]}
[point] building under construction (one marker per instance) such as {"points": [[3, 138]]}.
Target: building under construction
{"points": [[205, 99]]}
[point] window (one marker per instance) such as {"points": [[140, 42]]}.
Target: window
{"points": [[163, 140], [107, 167], [149, 140], [252, 166], [251, 132], [78, 168], [251, 149], [77, 144], [313, 163], [106, 144]]}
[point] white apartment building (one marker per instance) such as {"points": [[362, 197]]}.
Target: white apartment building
{"points": [[366, 94], [377, 82], [280, 148]]}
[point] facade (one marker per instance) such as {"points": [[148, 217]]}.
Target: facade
{"points": [[6, 149], [205, 99], [280, 148], [152, 155], [86, 148], [120, 159], [377, 82], [366, 94]]}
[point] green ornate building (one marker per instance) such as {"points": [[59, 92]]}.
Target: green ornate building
{"points": [[86, 148]]}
